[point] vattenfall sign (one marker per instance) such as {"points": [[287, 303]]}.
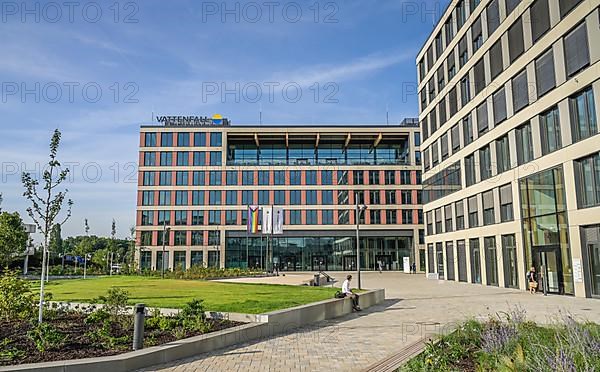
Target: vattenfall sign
{"points": [[175, 121]]}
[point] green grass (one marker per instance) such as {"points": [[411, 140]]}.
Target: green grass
{"points": [[172, 293]]}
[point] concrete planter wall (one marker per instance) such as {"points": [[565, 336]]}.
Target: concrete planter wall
{"points": [[264, 325]]}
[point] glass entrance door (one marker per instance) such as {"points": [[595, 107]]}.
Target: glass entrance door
{"points": [[440, 260], [385, 261], [548, 262], [288, 263], [350, 263], [319, 263], [594, 254]]}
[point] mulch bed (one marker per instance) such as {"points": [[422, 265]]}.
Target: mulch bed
{"points": [[79, 344]]}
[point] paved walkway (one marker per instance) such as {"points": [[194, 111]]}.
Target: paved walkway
{"points": [[415, 307], [287, 279]]}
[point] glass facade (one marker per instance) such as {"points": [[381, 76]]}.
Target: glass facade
{"points": [[545, 229]]}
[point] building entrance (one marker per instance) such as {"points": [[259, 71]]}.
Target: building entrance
{"points": [[385, 261], [350, 263], [548, 262], [319, 263]]}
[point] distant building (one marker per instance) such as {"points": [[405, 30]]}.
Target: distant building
{"points": [[509, 96]]}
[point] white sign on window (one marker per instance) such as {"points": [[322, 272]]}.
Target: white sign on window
{"points": [[577, 270]]}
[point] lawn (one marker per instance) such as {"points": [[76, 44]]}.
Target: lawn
{"points": [[172, 293]]}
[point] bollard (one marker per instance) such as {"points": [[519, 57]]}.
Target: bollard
{"points": [[139, 313], [317, 280]]}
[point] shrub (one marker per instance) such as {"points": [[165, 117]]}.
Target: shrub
{"points": [[16, 299], [193, 309], [115, 301], [46, 337]]}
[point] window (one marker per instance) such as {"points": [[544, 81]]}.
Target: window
{"points": [[482, 118], [499, 101], [311, 197], [390, 197], [164, 218], [231, 197], [214, 238], [247, 197], [467, 129], [406, 196], [232, 178], [214, 178], [214, 198], [470, 170], [429, 56], [496, 62], [197, 197], [429, 223], [421, 70], [326, 197], [166, 139], [524, 144], [485, 163], [147, 218], [459, 212], [359, 197], [311, 177], [180, 218], [455, 134], [164, 198], [181, 178], [248, 178], [342, 177], [342, 197], [506, 203], [489, 217], [391, 217], [441, 78], [166, 159], [493, 17], [343, 217], [295, 217], [295, 197], [477, 34], [550, 131], [426, 161], [375, 217], [197, 218], [516, 46], [150, 139], [214, 218], [461, 14], [311, 217], [540, 19], [442, 111], [327, 217], [433, 121], [326, 178], [149, 159], [198, 178], [215, 158], [164, 178], [444, 146], [358, 177], [479, 76], [375, 197], [279, 177], [183, 139], [438, 221], [180, 239], [473, 213], [183, 159], [373, 177], [566, 6], [407, 217], [583, 115], [149, 178], [147, 198], [449, 29], [465, 91], [502, 154], [390, 177], [453, 101], [473, 4], [405, 177], [511, 5], [448, 218], [199, 158], [199, 139], [587, 176], [463, 52], [491, 261], [295, 177], [577, 55], [279, 196], [520, 91], [263, 178], [544, 73], [216, 139], [451, 65]]}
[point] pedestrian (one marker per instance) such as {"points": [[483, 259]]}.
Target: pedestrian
{"points": [[413, 268], [347, 292], [379, 266], [532, 280]]}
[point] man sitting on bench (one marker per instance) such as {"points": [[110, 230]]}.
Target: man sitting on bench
{"points": [[347, 292]]}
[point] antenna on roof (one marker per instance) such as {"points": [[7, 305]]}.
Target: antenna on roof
{"points": [[260, 113], [387, 114]]}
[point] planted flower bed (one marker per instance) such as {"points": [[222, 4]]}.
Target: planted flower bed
{"points": [[86, 332], [509, 342]]}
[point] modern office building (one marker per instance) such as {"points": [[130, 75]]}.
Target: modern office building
{"points": [[196, 181], [509, 97]]}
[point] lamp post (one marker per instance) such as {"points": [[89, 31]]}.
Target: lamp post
{"points": [[359, 208], [164, 236]]}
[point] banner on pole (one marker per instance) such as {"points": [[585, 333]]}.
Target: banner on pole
{"points": [[267, 220], [278, 220], [253, 219]]}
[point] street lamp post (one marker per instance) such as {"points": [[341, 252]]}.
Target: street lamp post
{"points": [[164, 236], [359, 208]]}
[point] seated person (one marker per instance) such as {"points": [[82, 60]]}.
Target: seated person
{"points": [[347, 292]]}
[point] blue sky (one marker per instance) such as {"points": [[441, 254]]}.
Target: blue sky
{"points": [[164, 57]]}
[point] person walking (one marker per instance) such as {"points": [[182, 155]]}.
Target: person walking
{"points": [[532, 280], [347, 292]]}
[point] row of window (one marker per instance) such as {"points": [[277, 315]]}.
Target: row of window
{"points": [[180, 238], [167, 139], [582, 114], [540, 24], [294, 217], [280, 197], [266, 178], [183, 158], [467, 213], [521, 91]]}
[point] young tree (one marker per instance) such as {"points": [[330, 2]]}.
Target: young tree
{"points": [[56, 242], [47, 204], [13, 237]]}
